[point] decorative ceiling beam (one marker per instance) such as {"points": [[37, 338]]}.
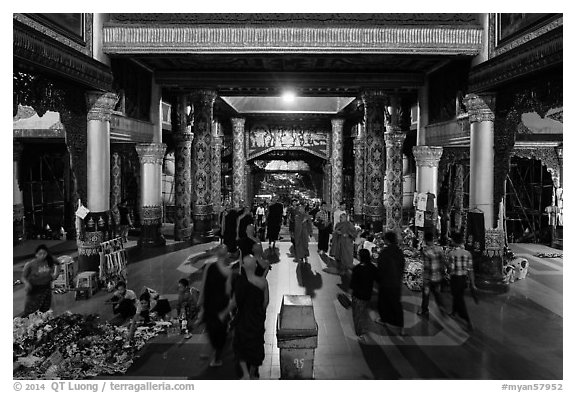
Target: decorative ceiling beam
{"points": [[534, 56], [275, 82], [36, 52], [144, 38]]}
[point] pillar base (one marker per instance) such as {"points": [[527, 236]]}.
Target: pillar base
{"points": [[88, 256], [488, 273], [151, 236], [203, 230], [182, 234]]}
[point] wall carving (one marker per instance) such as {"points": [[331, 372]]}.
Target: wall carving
{"points": [[265, 138]]}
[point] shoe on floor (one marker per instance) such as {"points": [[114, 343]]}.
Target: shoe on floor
{"points": [[188, 336]]}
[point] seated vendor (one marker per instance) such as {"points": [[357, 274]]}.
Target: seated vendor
{"points": [[140, 318], [123, 303]]}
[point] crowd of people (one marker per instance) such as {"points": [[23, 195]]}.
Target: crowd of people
{"points": [[234, 289]]}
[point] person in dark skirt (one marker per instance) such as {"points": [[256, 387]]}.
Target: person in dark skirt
{"points": [[390, 274], [37, 277], [274, 222], [214, 302], [361, 284], [251, 299], [324, 224], [229, 229], [244, 219]]}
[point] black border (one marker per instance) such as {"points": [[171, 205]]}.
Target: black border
{"points": [[60, 30]]}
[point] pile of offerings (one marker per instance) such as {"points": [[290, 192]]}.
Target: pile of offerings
{"points": [[72, 346]]}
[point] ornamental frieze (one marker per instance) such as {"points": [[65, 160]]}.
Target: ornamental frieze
{"points": [[264, 138], [437, 40]]}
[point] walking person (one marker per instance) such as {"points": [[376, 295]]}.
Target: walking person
{"points": [[362, 284], [292, 210], [324, 224], [251, 300], [341, 208], [302, 233], [229, 228], [343, 244], [460, 268], [274, 222], [434, 265], [390, 274], [37, 278], [260, 215], [214, 302]]}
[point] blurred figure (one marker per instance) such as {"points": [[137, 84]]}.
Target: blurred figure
{"points": [[390, 273], [460, 268], [37, 278], [362, 284], [214, 302], [251, 300], [343, 244], [434, 265], [275, 212]]}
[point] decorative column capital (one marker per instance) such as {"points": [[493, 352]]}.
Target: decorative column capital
{"points": [[151, 153], [238, 123], [338, 123], [480, 107], [100, 105], [393, 137], [360, 132], [182, 138], [428, 156], [205, 97], [371, 96], [17, 149]]}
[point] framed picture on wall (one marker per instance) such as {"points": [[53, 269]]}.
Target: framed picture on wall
{"points": [[510, 26], [69, 25]]}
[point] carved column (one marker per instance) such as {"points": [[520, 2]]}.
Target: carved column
{"points": [[115, 184], [394, 138], [359, 162], [17, 197], [151, 159], [182, 176], [248, 193], [238, 162], [459, 197], [336, 160], [203, 101], [97, 222], [481, 115], [374, 107], [216, 169], [328, 183]]}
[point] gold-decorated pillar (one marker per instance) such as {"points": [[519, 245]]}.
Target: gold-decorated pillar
{"points": [[374, 107], [97, 223], [151, 159], [203, 102], [394, 138], [17, 197], [481, 116], [183, 138], [216, 169], [337, 161], [238, 162], [359, 163]]}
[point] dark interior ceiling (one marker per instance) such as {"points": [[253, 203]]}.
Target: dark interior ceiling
{"points": [[309, 74]]}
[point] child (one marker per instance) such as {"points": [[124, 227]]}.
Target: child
{"points": [[187, 304], [142, 317], [123, 303], [362, 282]]}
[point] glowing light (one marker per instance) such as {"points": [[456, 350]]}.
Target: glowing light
{"points": [[288, 96]]}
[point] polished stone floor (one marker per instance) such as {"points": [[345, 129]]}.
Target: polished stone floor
{"points": [[518, 335]]}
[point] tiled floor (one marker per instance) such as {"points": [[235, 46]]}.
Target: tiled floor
{"points": [[518, 335]]}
